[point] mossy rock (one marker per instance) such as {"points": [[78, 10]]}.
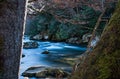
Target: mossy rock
{"points": [[104, 61]]}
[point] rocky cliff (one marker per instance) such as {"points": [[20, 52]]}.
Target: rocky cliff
{"points": [[103, 62]]}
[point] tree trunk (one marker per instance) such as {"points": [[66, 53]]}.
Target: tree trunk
{"points": [[12, 17]]}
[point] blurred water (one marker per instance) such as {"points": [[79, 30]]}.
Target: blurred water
{"points": [[33, 57]]}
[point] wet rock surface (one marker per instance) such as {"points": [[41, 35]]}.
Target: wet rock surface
{"points": [[30, 45], [47, 72], [45, 52], [23, 55], [74, 40]]}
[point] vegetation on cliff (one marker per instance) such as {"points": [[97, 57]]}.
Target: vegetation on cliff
{"points": [[104, 61], [68, 21], [60, 28]]}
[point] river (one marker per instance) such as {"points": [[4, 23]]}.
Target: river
{"points": [[58, 50]]}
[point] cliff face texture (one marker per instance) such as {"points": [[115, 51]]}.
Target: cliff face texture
{"points": [[104, 61]]}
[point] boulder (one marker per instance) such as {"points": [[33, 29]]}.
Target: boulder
{"points": [[46, 37], [37, 37], [52, 73], [31, 72], [47, 72], [30, 45], [45, 52], [94, 41], [74, 40], [86, 37], [23, 55]]}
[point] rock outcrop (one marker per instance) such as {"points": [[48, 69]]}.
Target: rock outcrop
{"points": [[104, 61], [74, 40], [45, 52], [30, 45], [47, 72]]}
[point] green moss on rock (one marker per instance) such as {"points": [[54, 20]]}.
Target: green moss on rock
{"points": [[104, 61]]}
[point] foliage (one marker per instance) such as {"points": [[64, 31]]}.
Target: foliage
{"points": [[33, 28], [61, 23], [60, 30]]}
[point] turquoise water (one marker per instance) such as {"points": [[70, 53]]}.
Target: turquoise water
{"points": [[33, 57]]}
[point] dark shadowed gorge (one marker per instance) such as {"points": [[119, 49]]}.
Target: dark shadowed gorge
{"points": [[63, 39]]}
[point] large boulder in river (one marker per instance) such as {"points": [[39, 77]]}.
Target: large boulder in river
{"points": [[30, 45], [47, 72], [31, 72], [52, 73]]}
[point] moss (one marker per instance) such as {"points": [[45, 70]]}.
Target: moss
{"points": [[104, 61], [109, 65]]}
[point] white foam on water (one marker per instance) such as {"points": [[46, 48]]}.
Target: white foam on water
{"points": [[75, 47], [54, 47]]}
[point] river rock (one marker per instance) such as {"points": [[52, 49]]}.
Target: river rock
{"points": [[29, 45], [86, 37], [94, 41], [23, 55], [47, 72], [74, 40], [37, 37], [52, 73], [31, 72], [46, 37], [45, 52]]}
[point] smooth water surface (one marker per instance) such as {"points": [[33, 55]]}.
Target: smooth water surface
{"points": [[33, 57]]}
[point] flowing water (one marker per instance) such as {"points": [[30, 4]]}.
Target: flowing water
{"points": [[58, 50]]}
